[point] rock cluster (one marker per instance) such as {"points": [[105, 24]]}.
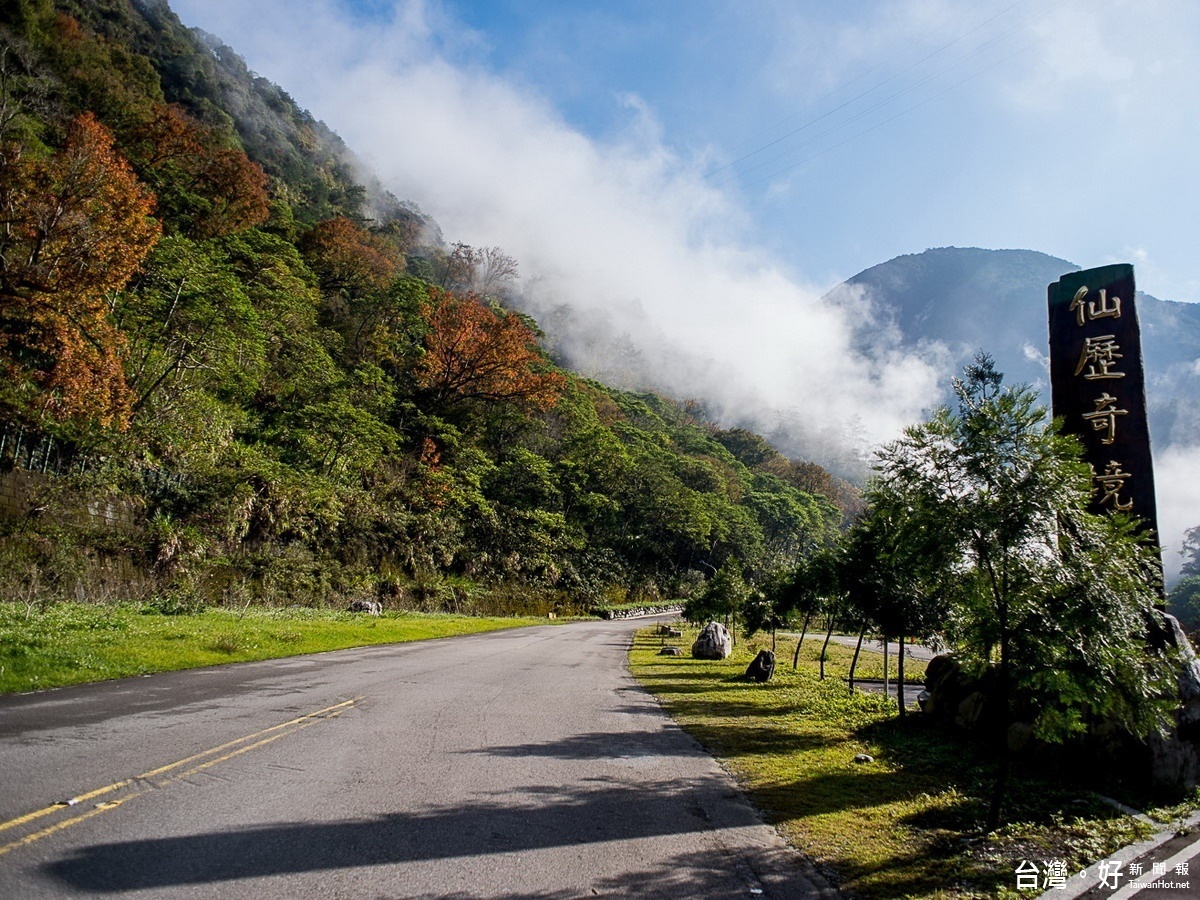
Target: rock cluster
{"points": [[953, 697], [1175, 758]]}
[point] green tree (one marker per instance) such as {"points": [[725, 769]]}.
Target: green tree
{"points": [[189, 324], [1184, 603], [723, 598], [1049, 596], [895, 575], [1191, 553], [805, 591]]}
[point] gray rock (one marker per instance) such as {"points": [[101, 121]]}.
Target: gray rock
{"points": [[373, 607], [714, 642], [1171, 759], [670, 651]]}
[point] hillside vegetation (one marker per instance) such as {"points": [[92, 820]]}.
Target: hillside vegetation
{"points": [[288, 386]]}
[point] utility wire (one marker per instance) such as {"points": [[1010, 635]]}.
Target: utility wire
{"points": [[862, 94], [886, 100], [902, 112]]}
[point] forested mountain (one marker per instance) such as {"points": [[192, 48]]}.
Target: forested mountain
{"points": [[288, 386], [971, 299]]}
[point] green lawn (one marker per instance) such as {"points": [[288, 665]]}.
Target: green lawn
{"points": [[905, 824], [70, 643]]}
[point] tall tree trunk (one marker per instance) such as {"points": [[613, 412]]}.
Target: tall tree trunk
{"points": [[825, 647], [800, 643], [857, 648], [900, 676], [995, 807], [999, 788]]}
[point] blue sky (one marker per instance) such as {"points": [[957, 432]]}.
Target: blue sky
{"points": [[704, 170], [864, 130], [684, 156], [1055, 125]]}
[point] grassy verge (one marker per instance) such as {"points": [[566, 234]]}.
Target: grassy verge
{"points": [[71, 643], [907, 823]]}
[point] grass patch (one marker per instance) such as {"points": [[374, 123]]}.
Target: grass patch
{"points": [[71, 643], [906, 824]]}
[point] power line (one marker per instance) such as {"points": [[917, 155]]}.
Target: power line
{"points": [[885, 101], [868, 91], [898, 115]]}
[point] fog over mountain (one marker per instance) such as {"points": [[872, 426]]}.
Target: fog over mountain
{"points": [[940, 308], [646, 275], [968, 299]]}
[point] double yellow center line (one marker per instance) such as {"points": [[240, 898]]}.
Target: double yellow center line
{"points": [[163, 775]]}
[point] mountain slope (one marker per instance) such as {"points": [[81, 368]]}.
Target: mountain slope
{"points": [[289, 386], [971, 299]]}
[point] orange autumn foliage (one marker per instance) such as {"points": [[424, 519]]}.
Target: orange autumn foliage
{"points": [[233, 188], [73, 229], [348, 258], [473, 352]]}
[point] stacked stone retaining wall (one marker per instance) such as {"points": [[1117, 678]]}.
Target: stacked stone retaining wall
{"points": [[26, 494], [640, 611]]}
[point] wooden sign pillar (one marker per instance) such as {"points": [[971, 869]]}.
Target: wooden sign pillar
{"points": [[1098, 387]]}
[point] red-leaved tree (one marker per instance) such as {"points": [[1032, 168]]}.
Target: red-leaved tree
{"points": [[214, 186], [479, 353], [74, 226]]}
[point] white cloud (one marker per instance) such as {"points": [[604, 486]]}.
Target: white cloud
{"points": [[1121, 62], [596, 225], [1178, 490]]}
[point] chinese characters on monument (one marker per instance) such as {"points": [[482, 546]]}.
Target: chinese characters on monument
{"points": [[1098, 387]]}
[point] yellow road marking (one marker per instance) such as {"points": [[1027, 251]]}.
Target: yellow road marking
{"points": [[66, 823], [240, 750], [299, 722]]}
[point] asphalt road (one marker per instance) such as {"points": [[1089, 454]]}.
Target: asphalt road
{"points": [[524, 763]]}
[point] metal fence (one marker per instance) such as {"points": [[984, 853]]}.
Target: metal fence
{"points": [[22, 447]]}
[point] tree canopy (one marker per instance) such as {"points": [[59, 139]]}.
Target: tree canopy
{"points": [[1050, 597], [292, 375]]}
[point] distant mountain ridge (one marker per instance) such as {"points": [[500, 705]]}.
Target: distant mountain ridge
{"points": [[971, 299]]}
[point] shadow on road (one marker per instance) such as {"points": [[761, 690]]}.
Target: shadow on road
{"points": [[546, 817], [600, 745]]}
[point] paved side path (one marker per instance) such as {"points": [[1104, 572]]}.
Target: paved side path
{"points": [[912, 651], [524, 763]]}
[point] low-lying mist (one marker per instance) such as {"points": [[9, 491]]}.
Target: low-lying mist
{"points": [[640, 270]]}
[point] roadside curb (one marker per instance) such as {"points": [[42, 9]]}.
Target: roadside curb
{"points": [[1079, 886]]}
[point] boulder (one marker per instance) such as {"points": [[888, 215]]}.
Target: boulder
{"points": [[1175, 757], [373, 607], [713, 642], [762, 668], [953, 697], [670, 651]]}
